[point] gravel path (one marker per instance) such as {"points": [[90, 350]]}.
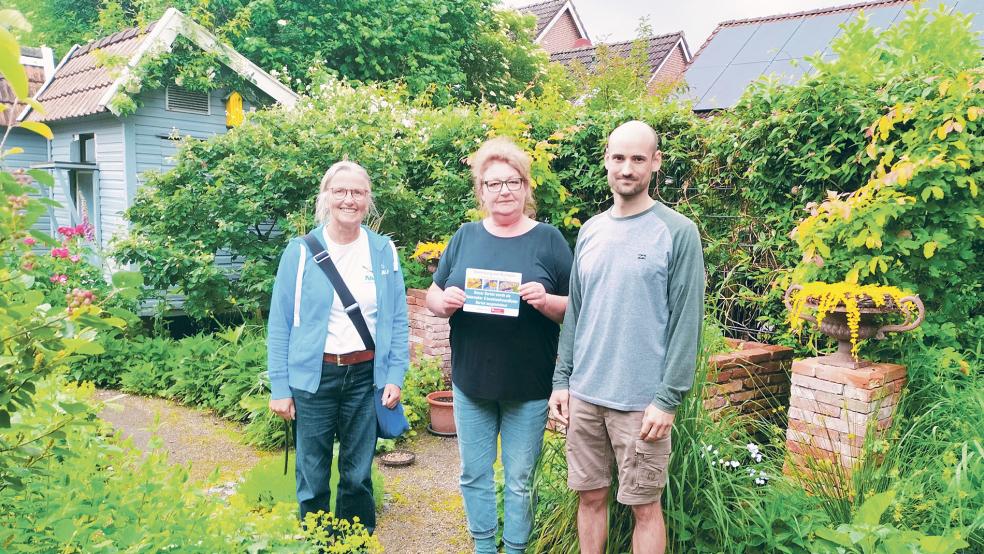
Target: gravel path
{"points": [[190, 436], [422, 511]]}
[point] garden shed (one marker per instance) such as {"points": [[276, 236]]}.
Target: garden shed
{"points": [[113, 119]]}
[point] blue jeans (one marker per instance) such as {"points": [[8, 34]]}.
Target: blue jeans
{"points": [[342, 407], [520, 425]]}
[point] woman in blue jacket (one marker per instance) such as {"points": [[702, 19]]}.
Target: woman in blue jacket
{"points": [[322, 374]]}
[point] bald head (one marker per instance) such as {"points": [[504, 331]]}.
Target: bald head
{"points": [[636, 132], [631, 157]]}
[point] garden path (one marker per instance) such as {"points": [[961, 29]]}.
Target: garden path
{"points": [[190, 436], [422, 510]]}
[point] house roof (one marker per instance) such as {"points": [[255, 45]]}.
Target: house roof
{"points": [[741, 51], [82, 86], [37, 65], [547, 13], [658, 48]]}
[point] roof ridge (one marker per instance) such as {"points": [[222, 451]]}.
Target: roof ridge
{"points": [[113, 38], [535, 4], [815, 11], [620, 43]]}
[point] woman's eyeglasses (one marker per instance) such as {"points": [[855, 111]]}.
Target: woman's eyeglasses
{"points": [[340, 194], [513, 184]]}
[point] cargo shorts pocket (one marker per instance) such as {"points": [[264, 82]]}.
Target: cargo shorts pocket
{"points": [[649, 466]]}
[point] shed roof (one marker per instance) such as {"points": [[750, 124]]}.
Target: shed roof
{"points": [[80, 80], [741, 51], [83, 85]]}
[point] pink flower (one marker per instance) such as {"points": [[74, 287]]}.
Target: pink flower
{"points": [[30, 241], [75, 258], [59, 278], [27, 266], [59, 252]]}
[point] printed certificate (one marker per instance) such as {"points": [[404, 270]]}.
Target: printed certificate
{"points": [[492, 292]]}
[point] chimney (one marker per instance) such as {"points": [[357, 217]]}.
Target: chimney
{"points": [[582, 43]]}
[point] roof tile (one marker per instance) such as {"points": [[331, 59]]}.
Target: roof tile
{"points": [[544, 12], [81, 81], [658, 48]]}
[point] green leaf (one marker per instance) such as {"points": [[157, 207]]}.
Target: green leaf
{"points": [[10, 66], [942, 545], [4, 419], [127, 279], [83, 346], [42, 177], [836, 537], [871, 511], [37, 127]]}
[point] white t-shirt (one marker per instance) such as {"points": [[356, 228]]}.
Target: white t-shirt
{"points": [[355, 266]]}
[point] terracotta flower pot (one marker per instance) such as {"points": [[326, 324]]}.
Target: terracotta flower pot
{"points": [[442, 412]]}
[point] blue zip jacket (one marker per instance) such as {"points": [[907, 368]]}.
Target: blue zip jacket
{"points": [[298, 324]]}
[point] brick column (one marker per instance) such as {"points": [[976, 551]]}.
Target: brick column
{"points": [[832, 409], [429, 334], [753, 379]]}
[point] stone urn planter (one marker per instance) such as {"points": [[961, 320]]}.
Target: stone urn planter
{"points": [[836, 322], [442, 413]]}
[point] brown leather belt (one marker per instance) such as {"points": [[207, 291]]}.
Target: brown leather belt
{"points": [[351, 358]]}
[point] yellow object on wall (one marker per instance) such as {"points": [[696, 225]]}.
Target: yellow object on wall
{"points": [[234, 110]]}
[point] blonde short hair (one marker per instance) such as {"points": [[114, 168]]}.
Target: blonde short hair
{"points": [[322, 208], [502, 149]]}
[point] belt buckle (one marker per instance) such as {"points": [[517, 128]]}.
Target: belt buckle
{"points": [[338, 359]]}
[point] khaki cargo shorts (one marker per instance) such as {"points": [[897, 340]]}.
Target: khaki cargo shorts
{"points": [[598, 436]]}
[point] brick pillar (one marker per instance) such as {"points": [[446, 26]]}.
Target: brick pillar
{"points": [[832, 409], [753, 379], [429, 334]]}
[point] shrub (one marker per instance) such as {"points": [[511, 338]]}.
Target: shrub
{"points": [[98, 496], [424, 377]]}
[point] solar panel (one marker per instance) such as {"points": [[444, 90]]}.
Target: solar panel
{"points": [[879, 18], [812, 36], [788, 71], [729, 86], [767, 41], [725, 44], [699, 79]]}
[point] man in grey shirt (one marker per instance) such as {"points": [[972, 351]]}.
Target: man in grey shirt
{"points": [[628, 348]]}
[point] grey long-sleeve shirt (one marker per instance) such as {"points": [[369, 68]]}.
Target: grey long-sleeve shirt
{"points": [[634, 313]]}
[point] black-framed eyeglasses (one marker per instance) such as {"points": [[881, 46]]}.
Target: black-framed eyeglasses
{"points": [[513, 184]]}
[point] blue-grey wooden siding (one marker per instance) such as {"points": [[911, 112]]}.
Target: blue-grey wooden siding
{"points": [[35, 151], [114, 197]]}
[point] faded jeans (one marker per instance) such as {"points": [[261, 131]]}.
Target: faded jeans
{"points": [[342, 407], [520, 425]]}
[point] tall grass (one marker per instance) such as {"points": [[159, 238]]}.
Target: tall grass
{"points": [[707, 507]]}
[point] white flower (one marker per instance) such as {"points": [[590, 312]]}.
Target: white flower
{"points": [[282, 22], [709, 448], [734, 463]]}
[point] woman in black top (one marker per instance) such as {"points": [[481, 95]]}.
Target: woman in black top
{"points": [[501, 364]]}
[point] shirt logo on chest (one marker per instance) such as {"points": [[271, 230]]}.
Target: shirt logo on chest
{"points": [[640, 256]]}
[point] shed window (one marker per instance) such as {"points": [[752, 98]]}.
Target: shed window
{"points": [[87, 147], [180, 99]]}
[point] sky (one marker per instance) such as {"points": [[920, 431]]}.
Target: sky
{"points": [[615, 20]]}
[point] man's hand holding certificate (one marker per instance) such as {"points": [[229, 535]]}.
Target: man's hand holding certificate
{"points": [[492, 292]]}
